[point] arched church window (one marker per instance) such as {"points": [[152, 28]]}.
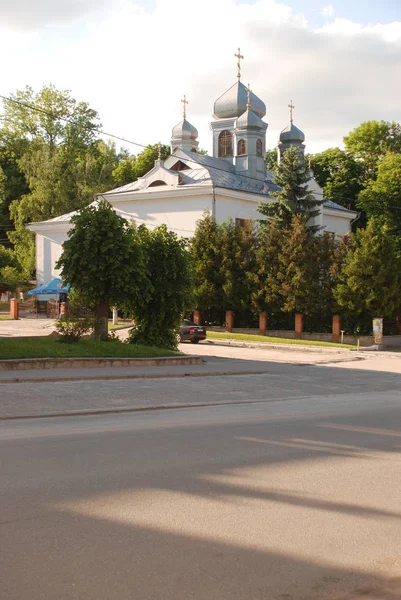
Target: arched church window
{"points": [[157, 183], [241, 147], [259, 147], [225, 144]]}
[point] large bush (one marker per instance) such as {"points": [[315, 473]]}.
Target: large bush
{"points": [[158, 315]]}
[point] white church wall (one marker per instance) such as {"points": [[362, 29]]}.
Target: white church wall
{"points": [[238, 208], [337, 224], [48, 251], [180, 214]]}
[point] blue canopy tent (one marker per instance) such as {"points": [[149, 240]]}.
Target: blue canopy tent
{"points": [[55, 286]]}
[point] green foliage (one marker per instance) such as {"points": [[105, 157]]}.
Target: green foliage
{"points": [[340, 175], [370, 279], [11, 275], [53, 166], [382, 197], [125, 171], [370, 141], [132, 167], [238, 263], [266, 295], [72, 328], [168, 267], [207, 265], [292, 176], [297, 283], [271, 158], [103, 261]]}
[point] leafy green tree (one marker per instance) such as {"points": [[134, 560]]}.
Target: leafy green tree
{"points": [[340, 175], [294, 197], [238, 263], [370, 279], [158, 314], [382, 197], [12, 181], [130, 168], [103, 261], [145, 161], [125, 171], [61, 162], [10, 272], [57, 119], [207, 265], [370, 141]]}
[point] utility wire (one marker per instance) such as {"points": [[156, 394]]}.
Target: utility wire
{"points": [[111, 135], [98, 130]]}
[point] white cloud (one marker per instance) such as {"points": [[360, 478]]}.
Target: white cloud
{"points": [[34, 14], [328, 11], [134, 65]]}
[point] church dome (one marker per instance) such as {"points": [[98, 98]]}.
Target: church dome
{"points": [[185, 131], [292, 135], [249, 120], [233, 103]]}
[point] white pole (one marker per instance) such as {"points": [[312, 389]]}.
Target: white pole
{"points": [[115, 316]]}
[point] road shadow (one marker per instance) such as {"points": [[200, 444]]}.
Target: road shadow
{"points": [[183, 506]]}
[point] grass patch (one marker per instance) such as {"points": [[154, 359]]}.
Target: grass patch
{"points": [[50, 347], [120, 324], [5, 318], [272, 340]]}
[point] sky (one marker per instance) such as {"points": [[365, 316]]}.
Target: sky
{"points": [[132, 60]]}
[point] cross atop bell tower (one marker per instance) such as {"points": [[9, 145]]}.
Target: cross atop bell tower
{"points": [[239, 56], [291, 107], [185, 102]]}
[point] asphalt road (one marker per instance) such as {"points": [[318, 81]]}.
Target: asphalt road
{"points": [[296, 498]]}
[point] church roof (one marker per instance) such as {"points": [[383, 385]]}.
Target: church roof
{"points": [[233, 103], [291, 133], [249, 120], [184, 130], [206, 170]]}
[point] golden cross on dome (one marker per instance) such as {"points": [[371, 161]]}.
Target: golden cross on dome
{"points": [[239, 56], [185, 102], [291, 107], [248, 89]]}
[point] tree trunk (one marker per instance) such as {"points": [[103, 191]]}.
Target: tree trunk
{"points": [[101, 315]]}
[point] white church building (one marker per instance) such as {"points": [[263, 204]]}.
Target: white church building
{"points": [[178, 191]]}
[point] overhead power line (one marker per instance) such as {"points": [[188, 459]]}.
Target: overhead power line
{"points": [[116, 137]]}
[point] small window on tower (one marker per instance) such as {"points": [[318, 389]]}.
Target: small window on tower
{"points": [[225, 144], [259, 147], [241, 147]]}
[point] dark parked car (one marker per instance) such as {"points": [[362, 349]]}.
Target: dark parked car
{"points": [[191, 332]]}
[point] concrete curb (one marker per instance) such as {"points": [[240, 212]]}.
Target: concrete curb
{"points": [[108, 411], [76, 363], [275, 346], [129, 376]]}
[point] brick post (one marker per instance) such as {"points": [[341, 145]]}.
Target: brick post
{"points": [[398, 321], [13, 308], [263, 319], [299, 326], [229, 321], [63, 309], [197, 317], [336, 329]]}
